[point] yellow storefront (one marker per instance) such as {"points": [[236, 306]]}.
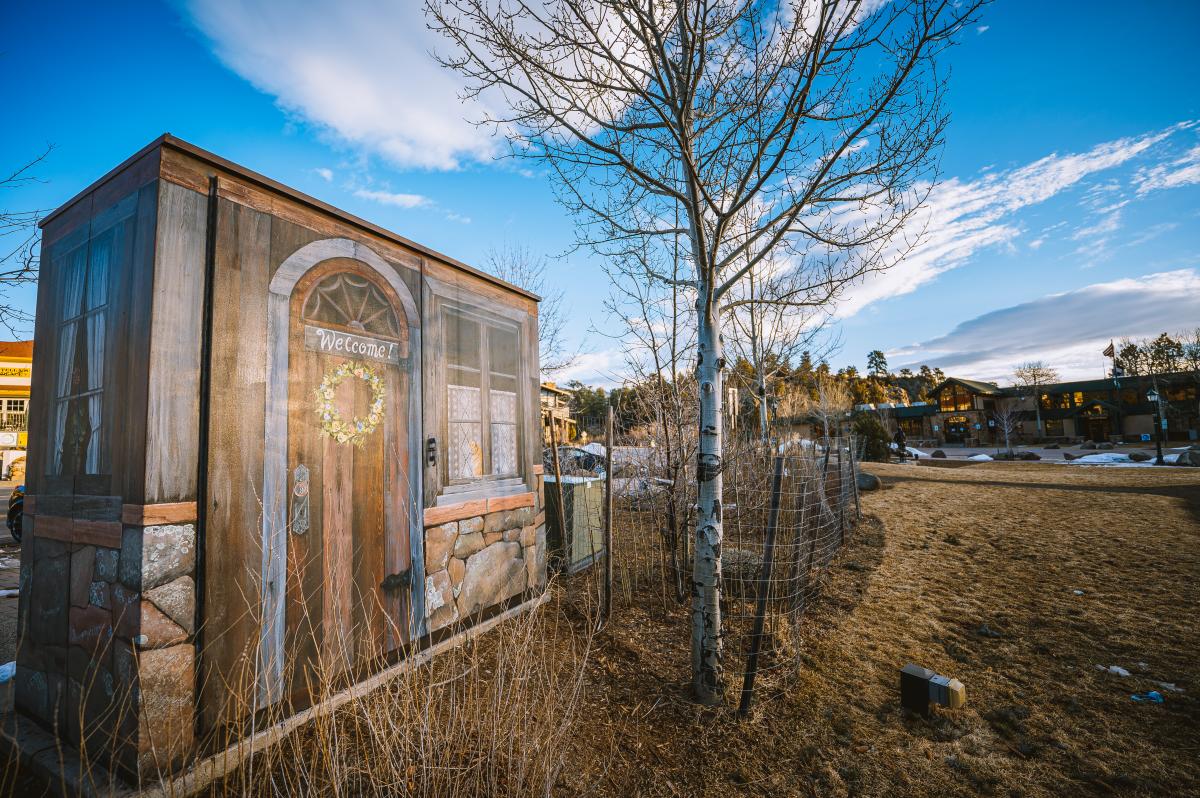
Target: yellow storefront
{"points": [[16, 367]]}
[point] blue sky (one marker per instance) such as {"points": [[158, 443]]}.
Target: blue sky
{"points": [[1070, 211]]}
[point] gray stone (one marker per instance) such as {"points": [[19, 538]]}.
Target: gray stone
{"points": [[49, 592], [469, 525], [1088, 445], [1139, 457], [177, 600], [1188, 457], [938, 453], [740, 569], [129, 571], [107, 562], [439, 542], [457, 569], [439, 601], [82, 565], [98, 594], [512, 534], [1051, 446], [500, 521], [867, 481], [468, 544], [492, 575], [528, 536], [168, 552], [1104, 445], [125, 605], [523, 516], [532, 577]]}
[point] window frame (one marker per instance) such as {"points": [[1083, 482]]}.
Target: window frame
{"points": [[440, 298]]}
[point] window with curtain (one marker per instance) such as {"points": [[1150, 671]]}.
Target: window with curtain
{"points": [[482, 367], [79, 367]]}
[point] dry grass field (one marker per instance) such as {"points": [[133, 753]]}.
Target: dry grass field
{"points": [[972, 572], [1018, 579]]}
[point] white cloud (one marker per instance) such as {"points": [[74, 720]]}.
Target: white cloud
{"points": [[1067, 330], [359, 70], [324, 173], [983, 29], [389, 198], [603, 369], [1180, 172], [963, 217]]}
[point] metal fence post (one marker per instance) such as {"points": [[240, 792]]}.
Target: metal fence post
{"points": [[764, 587], [606, 611]]}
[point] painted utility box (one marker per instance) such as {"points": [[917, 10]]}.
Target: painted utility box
{"points": [[271, 445], [575, 536]]}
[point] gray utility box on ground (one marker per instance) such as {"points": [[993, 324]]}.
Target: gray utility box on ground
{"points": [[574, 538]]}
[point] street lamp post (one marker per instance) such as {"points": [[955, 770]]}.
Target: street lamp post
{"points": [[1153, 397]]}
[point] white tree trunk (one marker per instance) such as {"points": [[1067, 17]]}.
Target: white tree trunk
{"points": [[707, 669]]}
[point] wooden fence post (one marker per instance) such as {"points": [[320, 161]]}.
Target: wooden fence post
{"points": [[606, 612]]}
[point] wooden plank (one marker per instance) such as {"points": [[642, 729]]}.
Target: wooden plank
{"points": [[30, 506], [173, 406], [233, 528], [96, 508], [454, 512], [73, 530], [55, 527], [497, 503], [136, 291], [151, 514], [97, 533], [189, 165]]}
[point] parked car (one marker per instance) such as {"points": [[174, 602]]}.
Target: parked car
{"points": [[16, 512]]}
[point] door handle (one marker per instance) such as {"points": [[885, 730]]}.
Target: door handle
{"points": [[300, 490]]}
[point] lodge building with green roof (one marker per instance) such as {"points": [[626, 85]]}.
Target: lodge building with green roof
{"points": [[964, 411]]}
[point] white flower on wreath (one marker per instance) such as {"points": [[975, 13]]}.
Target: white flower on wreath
{"points": [[356, 430]]}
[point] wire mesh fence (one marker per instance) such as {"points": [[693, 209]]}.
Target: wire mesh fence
{"points": [[771, 572]]}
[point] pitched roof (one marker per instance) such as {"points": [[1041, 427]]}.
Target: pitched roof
{"points": [[976, 386], [17, 349]]}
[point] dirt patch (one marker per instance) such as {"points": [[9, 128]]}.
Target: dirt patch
{"points": [[973, 572]]}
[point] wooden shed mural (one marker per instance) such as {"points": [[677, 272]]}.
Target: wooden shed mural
{"points": [[273, 441]]}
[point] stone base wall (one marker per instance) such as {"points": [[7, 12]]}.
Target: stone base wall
{"points": [[106, 656], [479, 560]]}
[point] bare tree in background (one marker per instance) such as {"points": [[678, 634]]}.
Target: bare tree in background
{"points": [[660, 342], [1007, 415], [518, 265], [1034, 375], [828, 403], [767, 328], [744, 129], [19, 239]]}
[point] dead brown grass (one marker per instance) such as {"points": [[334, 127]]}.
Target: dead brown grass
{"points": [[1000, 544]]}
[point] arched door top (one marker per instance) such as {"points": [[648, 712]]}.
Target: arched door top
{"points": [[309, 255]]}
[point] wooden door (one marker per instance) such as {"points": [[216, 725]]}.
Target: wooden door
{"points": [[348, 560]]}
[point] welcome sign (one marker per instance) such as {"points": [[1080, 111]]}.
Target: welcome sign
{"points": [[344, 344]]}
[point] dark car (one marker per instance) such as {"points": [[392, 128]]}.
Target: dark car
{"points": [[16, 509]]}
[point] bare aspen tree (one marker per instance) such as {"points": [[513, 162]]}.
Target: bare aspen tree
{"points": [[1033, 375], [1007, 415], [741, 128]]}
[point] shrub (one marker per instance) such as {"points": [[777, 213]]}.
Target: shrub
{"points": [[873, 438]]}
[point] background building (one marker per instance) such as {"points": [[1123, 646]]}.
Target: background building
{"points": [[16, 367]]}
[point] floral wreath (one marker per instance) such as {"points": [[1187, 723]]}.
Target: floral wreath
{"points": [[355, 430]]}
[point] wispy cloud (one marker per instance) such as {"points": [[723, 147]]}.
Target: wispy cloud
{"points": [[359, 71], [324, 173], [1067, 330], [964, 217], [390, 198], [1180, 172]]}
